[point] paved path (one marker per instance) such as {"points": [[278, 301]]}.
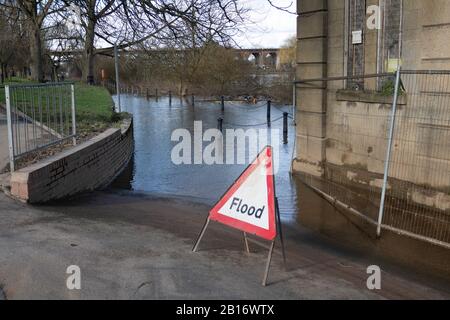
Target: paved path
{"points": [[26, 140], [138, 247]]}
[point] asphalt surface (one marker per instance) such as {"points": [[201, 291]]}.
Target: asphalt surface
{"points": [[2, 294], [139, 247]]}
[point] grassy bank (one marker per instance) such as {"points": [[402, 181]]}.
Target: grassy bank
{"points": [[95, 110], [94, 107]]}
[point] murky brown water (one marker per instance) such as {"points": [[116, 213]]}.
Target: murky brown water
{"points": [[154, 172]]}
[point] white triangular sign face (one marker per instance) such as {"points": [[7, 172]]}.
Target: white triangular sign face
{"points": [[249, 205]]}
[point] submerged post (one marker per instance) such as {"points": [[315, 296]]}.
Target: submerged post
{"points": [[269, 106], [222, 99], [170, 98], [193, 100], [285, 128], [389, 151], [220, 124]]}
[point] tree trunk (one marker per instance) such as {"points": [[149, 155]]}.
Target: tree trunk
{"points": [[36, 65], [89, 53], [3, 72]]}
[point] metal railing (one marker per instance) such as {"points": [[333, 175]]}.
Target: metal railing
{"points": [[387, 152], [39, 116]]}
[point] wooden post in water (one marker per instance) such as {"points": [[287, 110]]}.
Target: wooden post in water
{"points": [[285, 128]]}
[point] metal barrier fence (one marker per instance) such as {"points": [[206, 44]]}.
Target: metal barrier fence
{"points": [[39, 116], [387, 155]]}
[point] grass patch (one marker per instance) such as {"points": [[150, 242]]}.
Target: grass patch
{"points": [[95, 111], [94, 107], [93, 103]]}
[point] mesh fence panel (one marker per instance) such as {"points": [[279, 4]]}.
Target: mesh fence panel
{"points": [[357, 139], [418, 197], [39, 116]]}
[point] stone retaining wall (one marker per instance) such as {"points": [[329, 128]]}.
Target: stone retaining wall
{"points": [[86, 167]]}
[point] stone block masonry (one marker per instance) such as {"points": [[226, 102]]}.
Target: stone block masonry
{"points": [[89, 166]]}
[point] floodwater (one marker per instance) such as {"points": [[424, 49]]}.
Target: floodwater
{"points": [[154, 172]]}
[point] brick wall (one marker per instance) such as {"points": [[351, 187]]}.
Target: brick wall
{"points": [[89, 166]]}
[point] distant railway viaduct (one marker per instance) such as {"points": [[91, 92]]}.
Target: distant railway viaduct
{"points": [[260, 57]]}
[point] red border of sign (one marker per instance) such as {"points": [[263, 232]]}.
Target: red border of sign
{"points": [[241, 225]]}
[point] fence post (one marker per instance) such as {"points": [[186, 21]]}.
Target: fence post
{"points": [[285, 127], [389, 151], [222, 99], [269, 106], [74, 120], [10, 129]]}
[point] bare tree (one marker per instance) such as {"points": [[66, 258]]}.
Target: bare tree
{"points": [[35, 14], [95, 16], [128, 24], [179, 24], [13, 41], [288, 53]]}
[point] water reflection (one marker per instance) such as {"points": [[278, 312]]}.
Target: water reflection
{"points": [[152, 168]]}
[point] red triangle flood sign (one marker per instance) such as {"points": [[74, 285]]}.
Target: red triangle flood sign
{"points": [[249, 205]]}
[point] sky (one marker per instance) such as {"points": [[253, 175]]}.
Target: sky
{"points": [[271, 27]]}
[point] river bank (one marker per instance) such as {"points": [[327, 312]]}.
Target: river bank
{"points": [[131, 246]]}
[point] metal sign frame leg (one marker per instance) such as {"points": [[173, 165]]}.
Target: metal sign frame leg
{"points": [[280, 231], [202, 233], [269, 260], [247, 248], [272, 246]]}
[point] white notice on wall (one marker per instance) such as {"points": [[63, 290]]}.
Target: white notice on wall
{"points": [[357, 37]]}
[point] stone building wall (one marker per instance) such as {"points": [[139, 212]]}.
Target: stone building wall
{"points": [[345, 129]]}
